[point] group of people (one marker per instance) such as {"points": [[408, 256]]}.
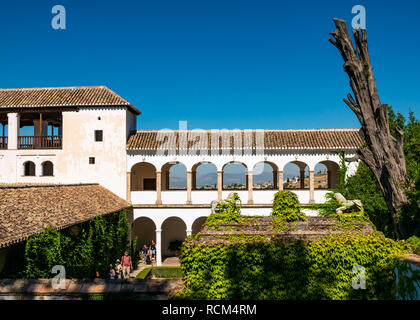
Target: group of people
{"points": [[149, 253], [122, 268]]}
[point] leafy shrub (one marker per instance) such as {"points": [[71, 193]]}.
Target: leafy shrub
{"points": [[277, 270], [42, 252], [286, 204], [227, 211], [415, 243]]}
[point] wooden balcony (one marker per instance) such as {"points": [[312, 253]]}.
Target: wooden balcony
{"points": [[40, 142], [3, 142]]}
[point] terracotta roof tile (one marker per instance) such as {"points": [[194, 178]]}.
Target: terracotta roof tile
{"points": [[61, 97], [29, 209], [246, 139]]}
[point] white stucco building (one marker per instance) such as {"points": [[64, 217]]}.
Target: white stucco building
{"points": [[89, 135]]}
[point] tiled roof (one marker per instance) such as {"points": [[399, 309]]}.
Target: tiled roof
{"points": [[246, 139], [27, 210], [61, 97]]}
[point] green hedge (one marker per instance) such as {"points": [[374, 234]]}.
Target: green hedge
{"points": [[287, 206], [276, 270], [82, 249], [415, 243], [160, 272]]}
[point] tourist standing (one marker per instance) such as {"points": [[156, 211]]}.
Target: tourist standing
{"points": [[118, 269], [144, 251], [153, 250], [111, 272], [127, 264]]}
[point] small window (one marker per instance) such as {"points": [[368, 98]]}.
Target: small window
{"points": [[98, 135], [47, 168], [29, 169], [91, 160]]}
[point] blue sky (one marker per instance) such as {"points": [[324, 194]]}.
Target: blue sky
{"points": [[217, 64]]}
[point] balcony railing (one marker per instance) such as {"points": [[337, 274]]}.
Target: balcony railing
{"points": [[40, 142], [3, 142]]}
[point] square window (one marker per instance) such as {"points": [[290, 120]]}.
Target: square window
{"points": [[91, 160], [98, 135]]}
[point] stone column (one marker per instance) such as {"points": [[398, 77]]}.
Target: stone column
{"points": [[128, 186], [302, 179], [158, 247], [158, 187], [280, 180], [13, 130], [189, 182], [219, 184], [250, 188], [311, 186]]}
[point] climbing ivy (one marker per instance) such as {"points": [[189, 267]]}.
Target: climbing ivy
{"points": [[286, 205], [276, 270]]}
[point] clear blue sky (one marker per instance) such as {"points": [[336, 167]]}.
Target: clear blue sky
{"points": [[215, 63]]}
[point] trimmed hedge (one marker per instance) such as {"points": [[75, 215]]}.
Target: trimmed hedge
{"points": [[160, 272], [276, 270], [287, 206]]}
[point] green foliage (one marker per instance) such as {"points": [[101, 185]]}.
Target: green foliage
{"points": [[277, 270], [342, 172], [227, 211], [82, 249], [415, 243], [143, 273], [350, 221], [330, 207], [160, 272], [42, 252], [135, 253], [363, 184], [286, 205], [167, 272]]}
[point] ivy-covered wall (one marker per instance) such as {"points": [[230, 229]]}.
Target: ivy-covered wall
{"points": [[321, 269], [236, 257], [82, 249]]}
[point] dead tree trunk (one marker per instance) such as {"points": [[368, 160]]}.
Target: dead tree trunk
{"points": [[384, 154]]}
